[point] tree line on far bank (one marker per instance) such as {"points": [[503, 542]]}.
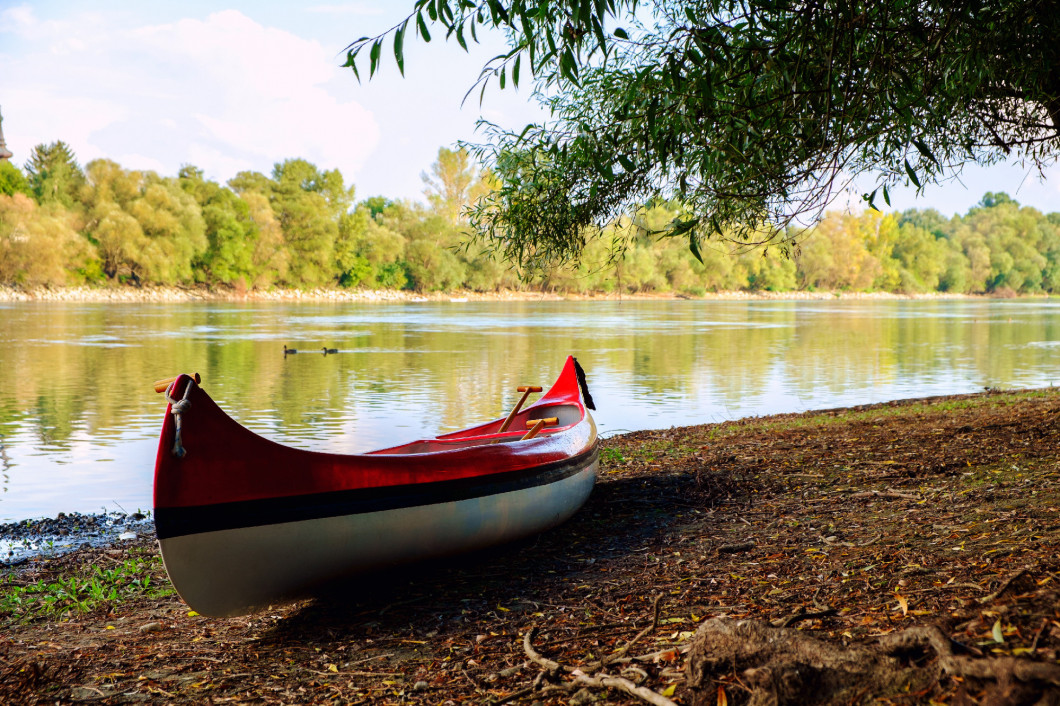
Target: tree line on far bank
{"points": [[301, 227]]}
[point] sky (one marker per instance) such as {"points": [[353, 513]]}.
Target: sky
{"points": [[233, 86]]}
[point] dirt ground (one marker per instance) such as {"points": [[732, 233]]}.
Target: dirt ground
{"points": [[847, 528]]}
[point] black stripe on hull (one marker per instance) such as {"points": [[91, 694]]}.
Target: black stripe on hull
{"points": [[179, 521]]}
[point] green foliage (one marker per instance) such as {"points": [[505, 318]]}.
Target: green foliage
{"points": [[367, 252], [300, 228], [54, 174], [146, 228], [432, 266], [308, 204], [450, 184], [38, 244], [270, 257], [13, 181], [86, 588], [751, 114], [231, 232]]}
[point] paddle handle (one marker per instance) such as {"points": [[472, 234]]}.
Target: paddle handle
{"points": [[526, 390], [539, 424], [546, 420], [163, 385]]}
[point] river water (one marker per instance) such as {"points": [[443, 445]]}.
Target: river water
{"points": [[79, 419]]}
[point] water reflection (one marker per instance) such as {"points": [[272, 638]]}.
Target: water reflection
{"points": [[78, 417]]}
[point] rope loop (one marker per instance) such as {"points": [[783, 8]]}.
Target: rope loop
{"points": [[178, 408]]}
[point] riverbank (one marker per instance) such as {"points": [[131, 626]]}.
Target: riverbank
{"points": [[51, 537], [119, 294], [917, 540]]}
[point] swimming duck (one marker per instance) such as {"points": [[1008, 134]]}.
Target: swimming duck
{"points": [[330, 350], [288, 351]]}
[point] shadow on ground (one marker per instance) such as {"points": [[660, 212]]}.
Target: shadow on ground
{"points": [[622, 516]]}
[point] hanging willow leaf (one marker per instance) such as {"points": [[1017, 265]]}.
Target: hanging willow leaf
{"points": [[693, 246], [421, 26], [912, 174], [923, 148], [399, 48], [373, 57]]}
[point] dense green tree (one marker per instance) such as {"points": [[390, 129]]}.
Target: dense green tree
{"points": [[922, 259], [13, 181], [38, 244], [430, 260], [308, 204], [432, 266], [367, 252], [449, 183], [251, 182], [193, 180], [769, 270], [838, 255], [117, 235], [146, 227], [54, 174], [174, 229], [376, 205], [232, 236], [230, 231], [308, 230], [1013, 236], [750, 113], [270, 257]]}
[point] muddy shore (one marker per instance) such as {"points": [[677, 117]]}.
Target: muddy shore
{"points": [[914, 544]]}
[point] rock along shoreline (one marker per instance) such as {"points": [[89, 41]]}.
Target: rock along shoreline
{"points": [[152, 294], [67, 532]]}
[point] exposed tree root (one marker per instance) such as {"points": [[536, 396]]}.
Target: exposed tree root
{"points": [[580, 678], [775, 666]]}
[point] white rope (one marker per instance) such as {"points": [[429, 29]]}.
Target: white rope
{"points": [[179, 407]]}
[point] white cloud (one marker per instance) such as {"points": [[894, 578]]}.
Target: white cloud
{"points": [[18, 20], [140, 162], [224, 93], [354, 8], [33, 116]]}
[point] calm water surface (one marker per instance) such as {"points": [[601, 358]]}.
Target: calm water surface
{"points": [[78, 417]]}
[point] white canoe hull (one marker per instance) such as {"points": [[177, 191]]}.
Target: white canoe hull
{"points": [[234, 571]]}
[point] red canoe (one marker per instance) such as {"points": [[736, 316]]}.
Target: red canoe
{"points": [[244, 522]]}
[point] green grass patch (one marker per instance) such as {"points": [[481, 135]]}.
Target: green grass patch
{"points": [[826, 419], [85, 588]]}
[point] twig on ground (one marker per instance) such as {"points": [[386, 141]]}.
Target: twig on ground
{"points": [[799, 617], [1034, 643], [1003, 587], [607, 681], [600, 680], [885, 495], [356, 674], [624, 650], [734, 548]]}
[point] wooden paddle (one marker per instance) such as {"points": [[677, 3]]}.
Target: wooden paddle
{"points": [[526, 390], [163, 385], [546, 420], [539, 424]]}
